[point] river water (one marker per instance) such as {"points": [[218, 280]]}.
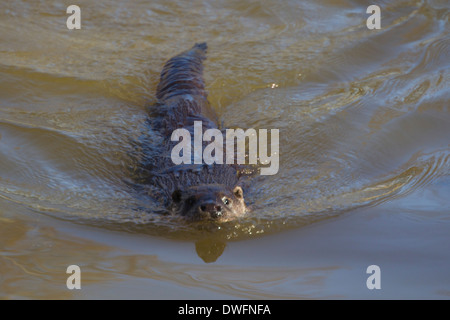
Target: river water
{"points": [[364, 149]]}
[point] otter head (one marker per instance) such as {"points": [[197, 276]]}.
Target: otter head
{"points": [[209, 202]]}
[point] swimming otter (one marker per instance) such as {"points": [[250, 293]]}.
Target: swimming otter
{"points": [[196, 192]]}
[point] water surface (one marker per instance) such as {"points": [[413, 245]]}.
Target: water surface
{"points": [[364, 149]]}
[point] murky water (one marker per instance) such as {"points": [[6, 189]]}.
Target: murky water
{"points": [[364, 149]]}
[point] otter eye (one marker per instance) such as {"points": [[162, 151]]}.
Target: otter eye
{"points": [[226, 201], [176, 196]]}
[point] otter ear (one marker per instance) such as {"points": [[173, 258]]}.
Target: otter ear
{"points": [[238, 192], [176, 196]]}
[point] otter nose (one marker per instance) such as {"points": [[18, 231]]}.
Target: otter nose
{"points": [[212, 208]]}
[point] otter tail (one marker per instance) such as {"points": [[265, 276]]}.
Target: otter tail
{"points": [[183, 74]]}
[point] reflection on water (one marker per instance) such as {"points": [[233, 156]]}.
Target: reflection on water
{"points": [[363, 115], [209, 249]]}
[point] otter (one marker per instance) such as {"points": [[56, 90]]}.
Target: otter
{"points": [[196, 192]]}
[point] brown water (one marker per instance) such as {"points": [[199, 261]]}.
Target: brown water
{"points": [[364, 149]]}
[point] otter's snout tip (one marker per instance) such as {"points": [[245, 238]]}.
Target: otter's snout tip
{"points": [[212, 209]]}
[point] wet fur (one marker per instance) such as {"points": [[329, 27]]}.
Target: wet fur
{"points": [[182, 99]]}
